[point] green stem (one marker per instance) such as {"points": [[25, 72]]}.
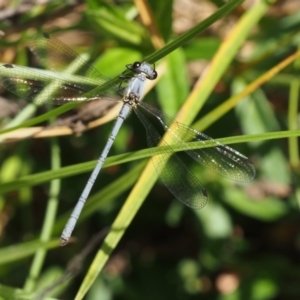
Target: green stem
{"points": [[49, 221]]}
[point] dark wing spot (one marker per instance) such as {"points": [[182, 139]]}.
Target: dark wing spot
{"points": [[46, 35], [9, 66], [204, 191]]}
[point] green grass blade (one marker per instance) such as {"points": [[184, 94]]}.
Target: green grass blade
{"points": [[38, 178], [25, 249], [193, 32]]}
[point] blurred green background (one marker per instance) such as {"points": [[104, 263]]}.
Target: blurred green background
{"points": [[244, 244]]}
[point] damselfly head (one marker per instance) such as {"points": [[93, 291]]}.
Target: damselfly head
{"points": [[143, 67]]}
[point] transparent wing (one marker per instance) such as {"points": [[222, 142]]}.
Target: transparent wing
{"points": [[56, 56], [74, 80], [28, 83], [220, 158], [182, 183]]}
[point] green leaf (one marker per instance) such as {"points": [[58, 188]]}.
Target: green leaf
{"points": [[172, 87], [162, 10], [216, 221], [203, 48], [107, 61], [267, 209], [111, 19]]}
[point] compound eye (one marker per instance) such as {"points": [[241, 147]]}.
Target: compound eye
{"points": [[154, 74], [136, 65]]}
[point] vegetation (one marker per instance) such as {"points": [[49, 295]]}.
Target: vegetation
{"points": [[227, 69]]}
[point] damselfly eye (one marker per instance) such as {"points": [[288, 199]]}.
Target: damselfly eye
{"points": [[136, 65], [154, 74]]}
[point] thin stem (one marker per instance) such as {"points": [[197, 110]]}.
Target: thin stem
{"points": [[49, 220]]}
